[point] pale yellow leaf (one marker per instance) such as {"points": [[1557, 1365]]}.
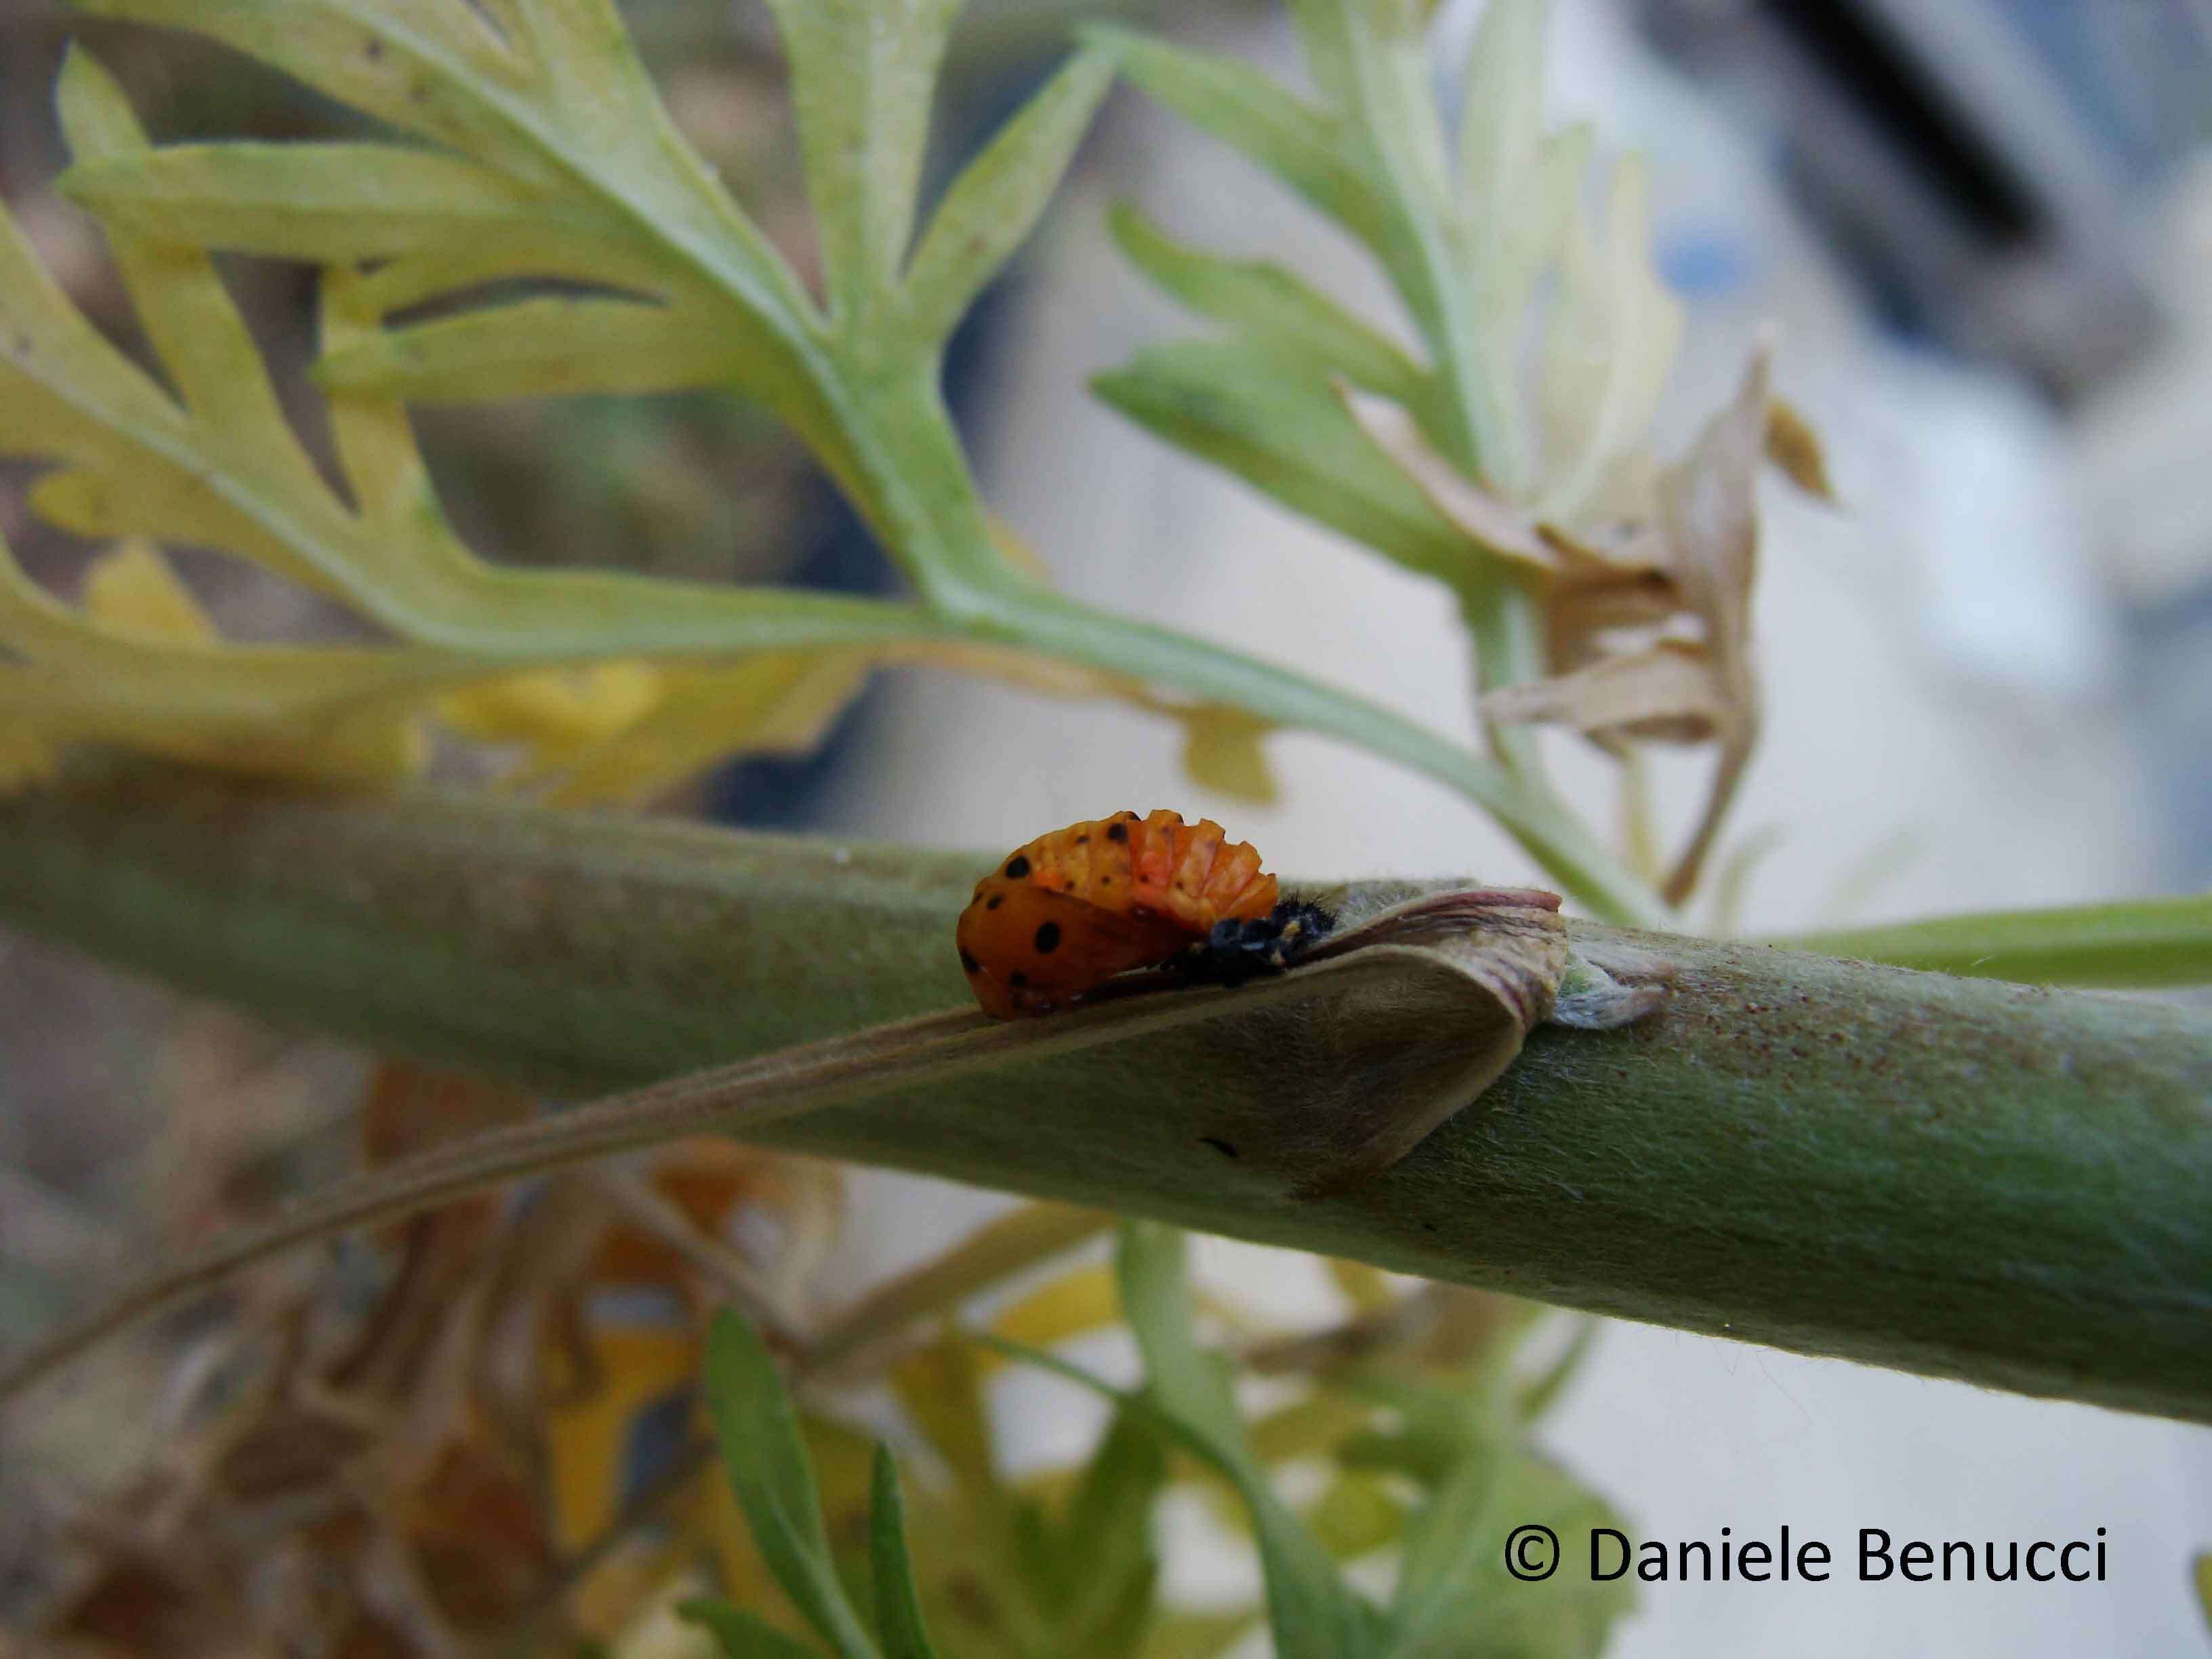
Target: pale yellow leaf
{"points": [[1222, 750], [1074, 1304], [556, 712], [940, 1387], [588, 1440], [1486, 520], [1611, 342], [778, 703], [131, 591], [1367, 1287]]}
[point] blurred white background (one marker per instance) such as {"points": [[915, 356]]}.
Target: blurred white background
{"points": [[1944, 665]]}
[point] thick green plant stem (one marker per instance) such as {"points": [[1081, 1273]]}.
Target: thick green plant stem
{"points": [[1959, 1177]]}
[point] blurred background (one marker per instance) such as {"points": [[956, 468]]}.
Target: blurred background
{"points": [[1984, 227]]}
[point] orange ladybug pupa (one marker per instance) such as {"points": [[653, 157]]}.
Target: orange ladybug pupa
{"points": [[1061, 915]]}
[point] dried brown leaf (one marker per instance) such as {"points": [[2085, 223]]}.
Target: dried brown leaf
{"points": [[1710, 507], [1670, 693], [1793, 446], [1698, 568], [478, 1538], [140, 1603]]}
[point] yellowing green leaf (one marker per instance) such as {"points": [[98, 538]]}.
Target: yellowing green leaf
{"points": [[326, 203], [544, 348], [1287, 435], [996, 201], [330, 715], [861, 77], [425, 69], [1276, 311], [1308, 148]]}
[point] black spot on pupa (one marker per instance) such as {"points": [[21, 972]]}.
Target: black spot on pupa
{"points": [[970, 964], [995, 901], [1117, 831], [1218, 1144], [1047, 937], [1083, 840], [1017, 867], [1017, 979], [1237, 950], [374, 50]]}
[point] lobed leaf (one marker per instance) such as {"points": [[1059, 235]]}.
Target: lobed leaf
{"points": [[1369, 58], [327, 713], [544, 347], [427, 66], [1288, 436], [1501, 112], [1310, 150], [862, 74], [539, 120], [324, 203], [999, 197], [1276, 311]]}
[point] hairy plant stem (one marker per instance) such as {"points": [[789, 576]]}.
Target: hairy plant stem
{"points": [[1959, 1178]]}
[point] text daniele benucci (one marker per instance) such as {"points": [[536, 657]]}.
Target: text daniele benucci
{"points": [[1534, 1552]]}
